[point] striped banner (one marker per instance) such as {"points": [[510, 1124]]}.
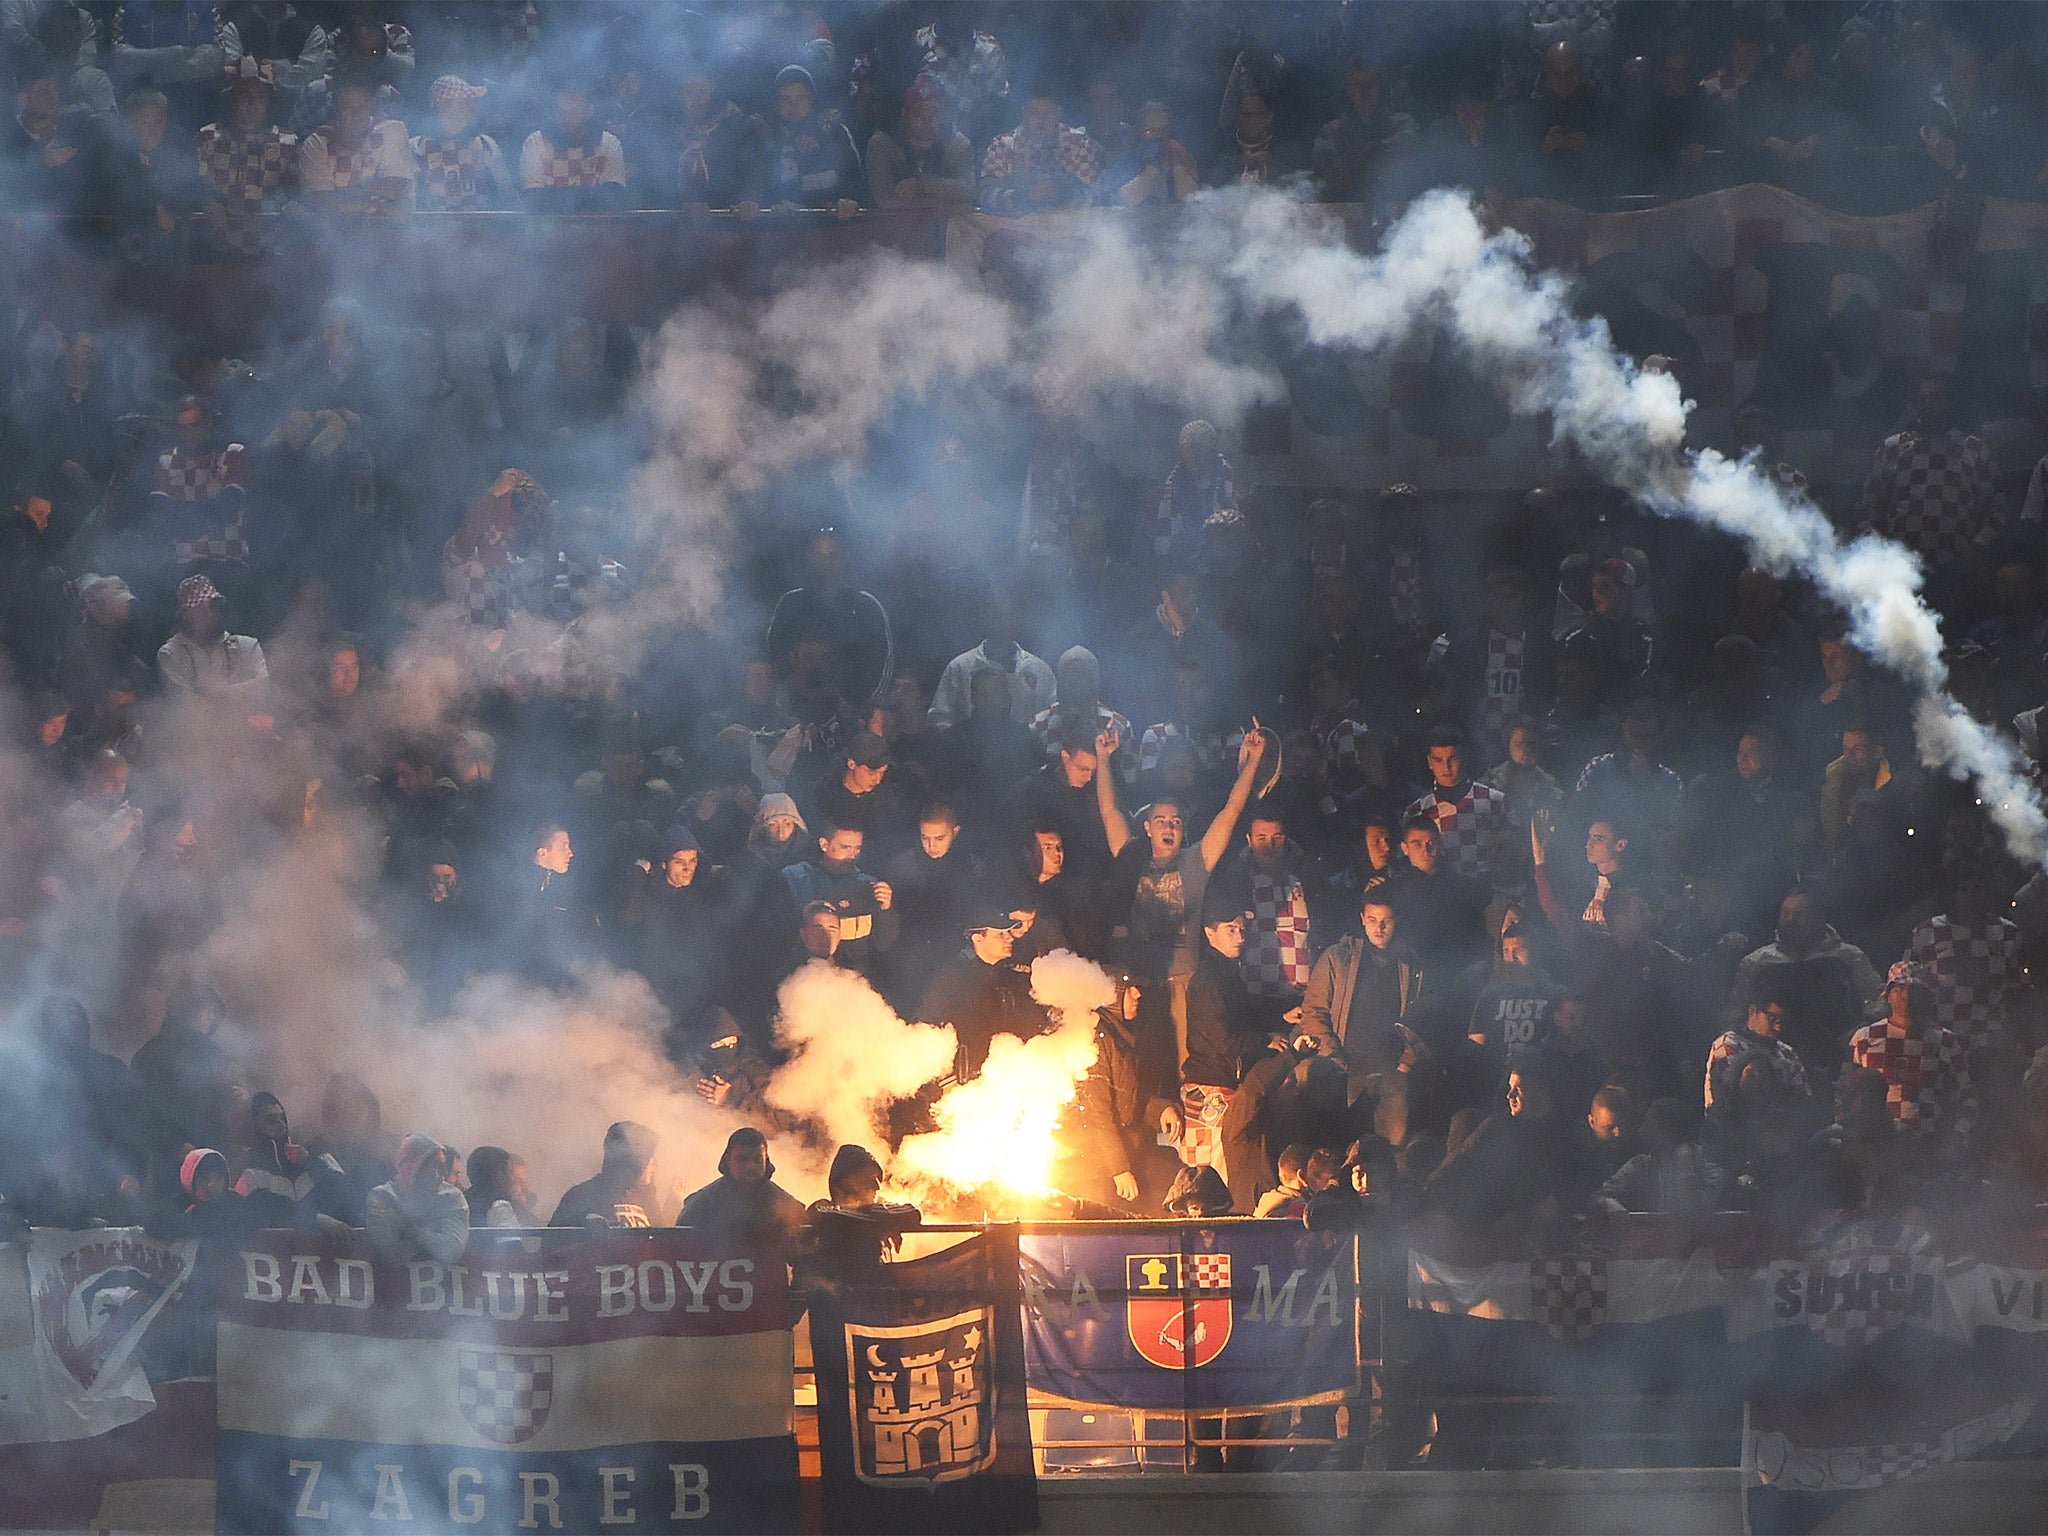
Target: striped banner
{"points": [[624, 1378]]}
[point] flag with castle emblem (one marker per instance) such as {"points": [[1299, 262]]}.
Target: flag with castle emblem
{"points": [[921, 1414], [622, 1378]]}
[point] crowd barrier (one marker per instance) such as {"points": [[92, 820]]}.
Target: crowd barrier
{"points": [[1865, 1350]]}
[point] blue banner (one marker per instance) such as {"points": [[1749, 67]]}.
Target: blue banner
{"points": [[1239, 1316]]}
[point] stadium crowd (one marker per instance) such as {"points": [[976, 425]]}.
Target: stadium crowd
{"points": [[1521, 863]]}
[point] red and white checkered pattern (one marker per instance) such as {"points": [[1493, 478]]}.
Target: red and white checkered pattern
{"points": [[1344, 751], [1210, 746], [1208, 1272], [1932, 493], [185, 476], [1928, 1079], [1569, 1295], [1201, 1115], [1470, 824], [1276, 956], [1507, 656], [1854, 1326], [250, 173], [457, 173], [1972, 964], [505, 1394], [1046, 725], [580, 165]]}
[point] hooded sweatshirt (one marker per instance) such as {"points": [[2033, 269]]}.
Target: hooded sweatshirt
{"points": [[727, 1206], [418, 1215]]}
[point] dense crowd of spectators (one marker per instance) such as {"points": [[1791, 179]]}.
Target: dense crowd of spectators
{"points": [[1520, 863], [385, 107]]}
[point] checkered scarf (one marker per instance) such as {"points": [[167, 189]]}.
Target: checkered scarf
{"points": [[186, 476], [1201, 1112], [1927, 1080], [576, 165], [1276, 948], [1972, 967], [1468, 825]]}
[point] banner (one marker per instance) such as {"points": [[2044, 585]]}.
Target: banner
{"points": [[631, 1378], [1846, 1281], [73, 1309], [922, 1423], [1241, 1315]]}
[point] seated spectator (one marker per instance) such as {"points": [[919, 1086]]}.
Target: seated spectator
{"points": [[460, 168], [571, 165], [1671, 1176], [500, 1189], [626, 1191], [1156, 167], [744, 1200], [1350, 148], [812, 162], [1257, 156], [924, 162], [159, 185], [201, 659], [357, 163], [1040, 164], [717, 152], [250, 163], [1289, 1202], [353, 1143], [420, 1213], [1562, 121], [284, 1183]]}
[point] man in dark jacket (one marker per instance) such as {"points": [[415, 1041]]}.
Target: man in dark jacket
{"points": [[982, 994], [1109, 1152], [677, 915], [626, 1191], [811, 159], [745, 1200], [865, 906], [933, 883]]}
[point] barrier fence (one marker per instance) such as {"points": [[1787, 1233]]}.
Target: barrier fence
{"points": [[1862, 1350]]}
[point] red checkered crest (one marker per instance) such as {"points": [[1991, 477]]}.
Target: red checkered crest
{"points": [[505, 1394]]}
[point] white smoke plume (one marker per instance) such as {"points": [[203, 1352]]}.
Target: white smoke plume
{"points": [[1439, 263], [850, 1057], [997, 1131], [1114, 319]]}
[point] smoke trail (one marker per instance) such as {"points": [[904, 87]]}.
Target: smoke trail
{"points": [[1439, 263], [850, 1057], [998, 1129]]}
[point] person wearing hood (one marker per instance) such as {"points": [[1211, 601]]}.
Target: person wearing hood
{"points": [[812, 162], [353, 1139], [208, 1207], [744, 1199], [1829, 985], [282, 1181], [626, 1190], [761, 911], [184, 1080], [677, 923], [500, 1189], [572, 165], [420, 1213], [853, 1230]]}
